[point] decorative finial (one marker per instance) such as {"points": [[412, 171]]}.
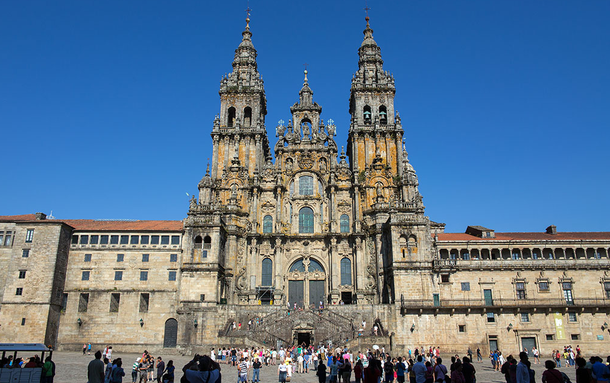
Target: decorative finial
{"points": [[207, 170], [366, 10], [248, 10], [305, 71]]}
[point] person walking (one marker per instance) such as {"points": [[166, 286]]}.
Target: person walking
{"points": [[95, 369], [440, 371], [117, 374], [523, 373], [160, 368]]}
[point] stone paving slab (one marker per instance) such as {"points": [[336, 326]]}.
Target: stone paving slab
{"points": [[71, 367]]}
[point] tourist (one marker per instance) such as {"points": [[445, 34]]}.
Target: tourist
{"points": [[468, 370], [134, 370], [95, 369], [160, 368], [84, 348], [551, 375], [108, 370], [358, 371], [48, 370], [479, 356], [89, 349], [321, 372], [429, 372], [168, 375], [400, 370], [600, 370], [440, 371], [346, 370], [583, 374], [419, 369], [523, 373], [256, 368], [117, 374], [388, 371], [457, 374], [282, 372]]}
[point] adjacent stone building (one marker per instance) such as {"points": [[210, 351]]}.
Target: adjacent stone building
{"points": [[308, 247]]}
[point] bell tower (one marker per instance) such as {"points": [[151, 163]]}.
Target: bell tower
{"points": [[240, 142]]}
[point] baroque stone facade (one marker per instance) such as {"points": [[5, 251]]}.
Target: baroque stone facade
{"points": [[321, 226]]}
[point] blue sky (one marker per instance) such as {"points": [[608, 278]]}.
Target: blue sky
{"points": [[106, 107]]}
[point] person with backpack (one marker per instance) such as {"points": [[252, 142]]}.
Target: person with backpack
{"points": [[388, 371], [440, 371], [400, 370], [48, 370]]}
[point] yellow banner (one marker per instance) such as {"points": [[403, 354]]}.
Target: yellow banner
{"points": [[559, 331]]}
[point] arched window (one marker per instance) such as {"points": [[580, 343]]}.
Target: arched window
{"points": [[268, 224], [344, 223], [207, 245], [306, 220], [306, 185], [346, 272], [248, 116], [267, 272], [367, 114], [383, 115], [198, 241], [313, 266], [231, 117]]}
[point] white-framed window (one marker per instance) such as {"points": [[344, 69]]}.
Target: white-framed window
{"points": [[29, 235]]}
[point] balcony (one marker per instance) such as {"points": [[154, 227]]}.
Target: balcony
{"points": [[500, 304]]}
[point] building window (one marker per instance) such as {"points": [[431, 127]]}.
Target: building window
{"points": [[25, 253], [120, 257], [525, 317], [124, 239], [306, 220], [520, 288], [550, 336], [118, 275], [23, 321], [173, 257], [144, 240], [306, 185], [135, 239], [144, 297], [143, 275], [144, 257], [87, 257], [461, 328], [201, 297], [491, 318], [607, 289], [84, 239], [64, 302], [29, 235], [567, 293], [104, 240], [346, 272], [83, 302], [154, 239], [115, 301], [19, 291], [344, 226], [444, 278], [572, 317], [85, 275], [75, 239], [383, 115], [175, 239], [367, 114], [575, 336], [267, 272], [21, 274], [465, 286], [165, 239], [267, 224], [543, 285], [114, 239], [172, 275], [94, 239]]}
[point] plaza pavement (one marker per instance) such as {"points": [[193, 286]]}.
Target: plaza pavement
{"points": [[71, 367]]}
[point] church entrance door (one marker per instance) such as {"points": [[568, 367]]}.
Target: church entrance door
{"points": [[304, 338], [296, 293], [316, 293]]}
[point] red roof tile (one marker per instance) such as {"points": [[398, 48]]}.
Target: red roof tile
{"points": [[460, 237], [22, 217], [101, 225]]}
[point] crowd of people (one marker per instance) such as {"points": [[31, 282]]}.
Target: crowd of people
{"points": [[48, 366], [341, 365]]}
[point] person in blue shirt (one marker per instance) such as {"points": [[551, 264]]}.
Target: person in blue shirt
{"points": [[400, 370]]}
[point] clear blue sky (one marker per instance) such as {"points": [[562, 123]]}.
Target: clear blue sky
{"points": [[106, 107]]}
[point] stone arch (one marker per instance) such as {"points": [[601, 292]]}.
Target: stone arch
{"points": [[366, 114], [247, 116], [383, 115], [231, 117]]}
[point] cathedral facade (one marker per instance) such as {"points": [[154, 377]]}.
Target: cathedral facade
{"points": [[316, 246]]}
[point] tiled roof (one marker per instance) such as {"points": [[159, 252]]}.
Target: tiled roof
{"points": [[101, 225], [22, 217], [94, 225], [460, 237]]}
